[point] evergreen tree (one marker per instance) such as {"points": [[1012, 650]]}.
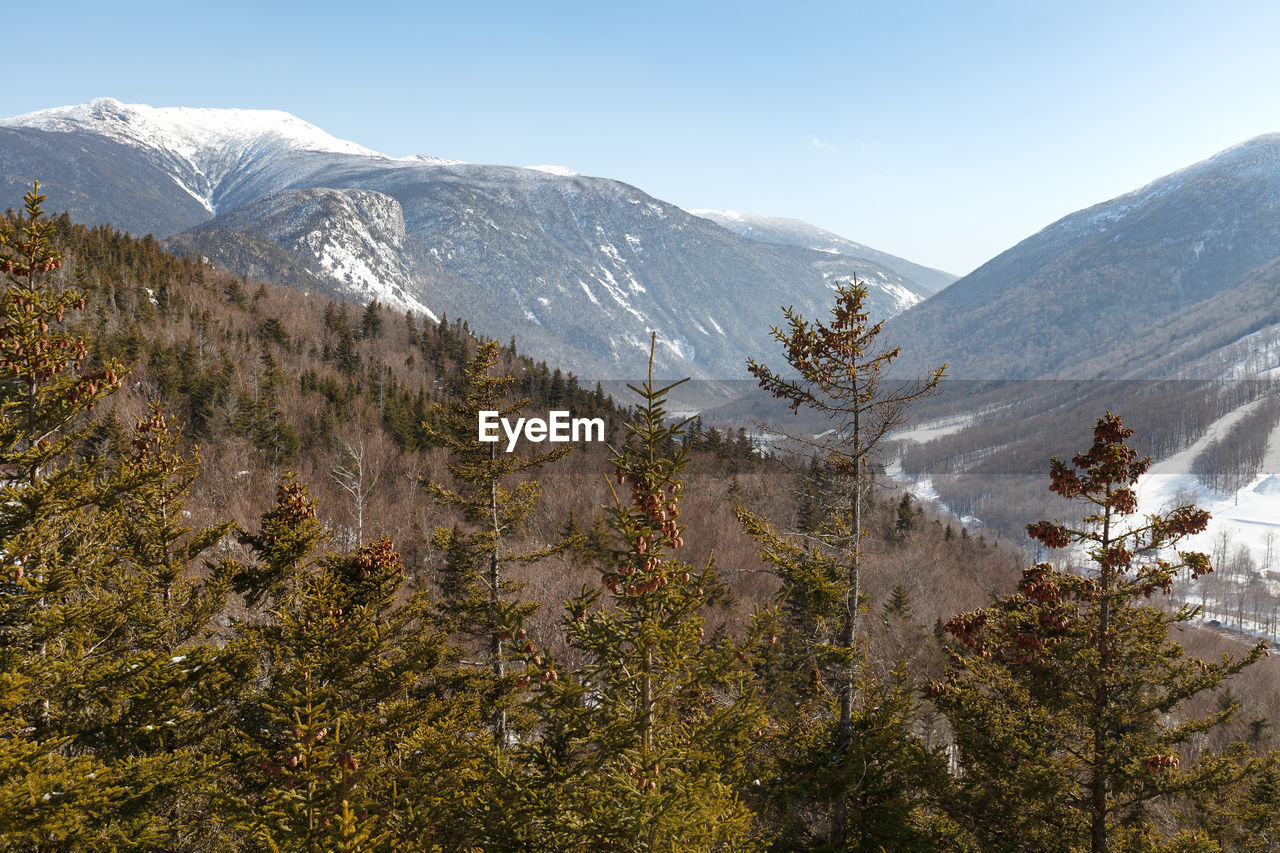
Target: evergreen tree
{"points": [[371, 320], [478, 594], [348, 738], [346, 353], [811, 513], [235, 293], [598, 543], [899, 603], [260, 418], [1068, 700], [880, 782], [643, 747], [906, 520], [105, 683], [836, 370], [1258, 814]]}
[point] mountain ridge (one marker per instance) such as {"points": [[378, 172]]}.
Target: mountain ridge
{"points": [[583, 268], [797, 232], [1102, 276]]}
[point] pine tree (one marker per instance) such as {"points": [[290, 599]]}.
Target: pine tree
{"points": [[347, 738], [906, 520], [478, 594], [644, 745], [371, 320], [1068, 699], [813, 489], [881, 781], [105, 684], [183, 678], [838, 372], [261, 418], [1258, 813], [899, 603]]}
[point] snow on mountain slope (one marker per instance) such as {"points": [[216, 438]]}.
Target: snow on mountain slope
{"points": [[202, 147], [562, 171], [367, 255], [193, 132], [354, 239], [431, 159], [581, 269], [923, 281]]}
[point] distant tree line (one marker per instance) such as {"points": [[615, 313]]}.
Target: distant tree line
{"points": [[1230, 461]]}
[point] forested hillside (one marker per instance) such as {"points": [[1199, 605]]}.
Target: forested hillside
{"points": [[264, 589]]}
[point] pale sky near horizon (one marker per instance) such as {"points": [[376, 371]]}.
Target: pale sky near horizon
{"points": [[943, 132]]}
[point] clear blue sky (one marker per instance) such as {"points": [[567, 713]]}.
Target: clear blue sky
{"points": [[940, 131]]}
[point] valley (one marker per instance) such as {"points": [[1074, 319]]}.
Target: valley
{"points": [[675, 613]]}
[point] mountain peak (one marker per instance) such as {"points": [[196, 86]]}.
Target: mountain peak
{"points": [[198, 147], [191, 131]]}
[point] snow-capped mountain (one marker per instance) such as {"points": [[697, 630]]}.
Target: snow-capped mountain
{"points": [[351, 242], [206, 138], [794, 232], [578, 268], [1151, 284], [203, 150]]}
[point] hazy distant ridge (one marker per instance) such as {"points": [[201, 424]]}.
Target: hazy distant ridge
{"points": [[794, 232]]}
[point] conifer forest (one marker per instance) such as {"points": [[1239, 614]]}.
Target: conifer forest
{"points": [[263, 589]]}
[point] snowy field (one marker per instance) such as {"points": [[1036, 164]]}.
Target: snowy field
{"points": [[930, 430], [1250, 517], [1243, 536]]}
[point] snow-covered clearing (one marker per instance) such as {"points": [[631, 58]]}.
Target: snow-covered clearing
{"points": [[1248, 516], [929, 430], [1243, 536]]}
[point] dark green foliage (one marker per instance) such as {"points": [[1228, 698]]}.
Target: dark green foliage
{"points": [[836, 370], [107, 685], [349, 713], [882, 780], [1068, 699], [478, 594], [906, 521], [899, 603], [644, 745], [371, 320]]}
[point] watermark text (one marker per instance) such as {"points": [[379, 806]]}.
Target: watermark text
{"points": [[557, 426]]}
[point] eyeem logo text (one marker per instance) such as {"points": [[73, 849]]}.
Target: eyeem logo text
{"points": [[558, 426]]}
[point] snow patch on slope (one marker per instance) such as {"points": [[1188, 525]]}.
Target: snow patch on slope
{"points": [[559, 171], [359, 242], [1249, 517], [199, 147], [430, 160], [901, 296], [717, 215], [188, 130]]}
